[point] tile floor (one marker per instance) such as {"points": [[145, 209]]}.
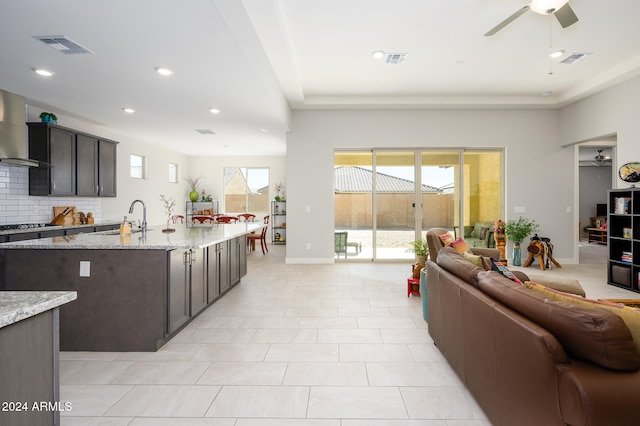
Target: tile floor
{"points": [[319, 345]]}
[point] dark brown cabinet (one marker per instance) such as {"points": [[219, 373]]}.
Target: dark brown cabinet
{"points": [[81, 164], [57, 147], [107, 168], [87, 170]]}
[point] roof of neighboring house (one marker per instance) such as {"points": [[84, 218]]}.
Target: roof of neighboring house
{"points": [[358, 179]]}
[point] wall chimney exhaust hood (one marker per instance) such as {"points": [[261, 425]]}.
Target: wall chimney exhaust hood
{"points": [[13, 133]]}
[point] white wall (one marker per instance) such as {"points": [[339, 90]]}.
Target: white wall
{"points": [[613, 111], [539, 176]]}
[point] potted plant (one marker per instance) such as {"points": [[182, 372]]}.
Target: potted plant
{"points": [[278, 188], [169, 205], [193, 184], [48, 117], [517, 231], [420, 248]]}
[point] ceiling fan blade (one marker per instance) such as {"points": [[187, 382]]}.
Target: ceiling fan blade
{"points": [[507, 21], [566, 16]]}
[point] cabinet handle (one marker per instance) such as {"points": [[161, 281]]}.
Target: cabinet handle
{"points": [[96, 190], [184, 258], [192, 255], [101, 189]]}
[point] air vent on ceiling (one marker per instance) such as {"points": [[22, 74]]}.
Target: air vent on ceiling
{"points": [[396, 58], [205, 131], [575, 57], [63, 44]]}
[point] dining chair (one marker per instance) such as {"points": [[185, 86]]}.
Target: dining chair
{"points": [[341, 244], [226, 219], [202, 219], [262, 237], [246, 217]]}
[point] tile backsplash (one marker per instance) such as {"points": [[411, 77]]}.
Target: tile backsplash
{"points": [[17, 206]]}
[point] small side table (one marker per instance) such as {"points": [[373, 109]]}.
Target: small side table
{"points": [[413, 286]]}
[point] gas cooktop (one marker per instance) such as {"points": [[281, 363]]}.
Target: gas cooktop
{"points": [[24, 226]]}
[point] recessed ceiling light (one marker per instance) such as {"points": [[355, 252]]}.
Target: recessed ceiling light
{"points": [[545, 94], [556, 53], [378, 54], [129, 110], [42, 72], [164, 71], [214, 110]]}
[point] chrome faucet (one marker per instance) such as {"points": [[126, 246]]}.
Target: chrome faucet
{"points": [[144, 214]]}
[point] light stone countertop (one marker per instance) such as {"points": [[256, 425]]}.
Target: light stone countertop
{"points": [[192, 237], [19, 305]]}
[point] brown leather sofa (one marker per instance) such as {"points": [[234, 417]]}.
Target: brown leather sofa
{"points": [[529, 360]]}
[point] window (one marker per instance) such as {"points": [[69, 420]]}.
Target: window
{"points": [[246, 190], [173, 173], [137, 166]]}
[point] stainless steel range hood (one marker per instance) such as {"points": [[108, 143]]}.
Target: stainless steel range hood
{"points": [[13, 133]]}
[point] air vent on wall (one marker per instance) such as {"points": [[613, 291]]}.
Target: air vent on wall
{"points": [[575, 57], [205, 131], [396, 58], [63, 44]]}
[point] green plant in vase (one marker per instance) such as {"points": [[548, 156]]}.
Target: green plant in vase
{"points": [[48, 117], [194, 195], [517, 231], [421, 250]]}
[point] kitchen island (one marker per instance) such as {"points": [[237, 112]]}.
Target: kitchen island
{"points": [[135, 292], [29, 373]]}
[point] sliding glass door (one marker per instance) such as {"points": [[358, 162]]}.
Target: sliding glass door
{"points": [[381, 207]]}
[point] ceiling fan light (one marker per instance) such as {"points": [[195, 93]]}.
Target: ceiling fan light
{"points": [[546, 7]]}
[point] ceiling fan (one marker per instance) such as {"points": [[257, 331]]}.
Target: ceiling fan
{"points": [[598, 160], [558, 8]]}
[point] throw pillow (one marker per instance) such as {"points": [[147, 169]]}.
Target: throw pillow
{"points": [[446, 239], [502, 269], [483, 233], [630, 316], [473, 258], [460, 246]]}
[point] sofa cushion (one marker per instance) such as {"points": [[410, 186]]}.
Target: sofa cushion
{"points": [[563, 284], [590, 334], [451, 261], [630, 316], [503, 270], [460, 246], [446, 239], [475, 259]]}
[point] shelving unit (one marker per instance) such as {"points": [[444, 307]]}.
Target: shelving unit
{"points": [[278, 222], [205, 208], [624, 238]]}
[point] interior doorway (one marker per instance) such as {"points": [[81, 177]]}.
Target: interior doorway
{"points": [[596, 175]]}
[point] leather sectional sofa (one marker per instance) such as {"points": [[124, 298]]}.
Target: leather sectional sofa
{"points": [[529, 360]]}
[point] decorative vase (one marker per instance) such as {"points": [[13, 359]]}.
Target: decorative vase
{"points": [[517, 255], [193, 195], [421, 259]]}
